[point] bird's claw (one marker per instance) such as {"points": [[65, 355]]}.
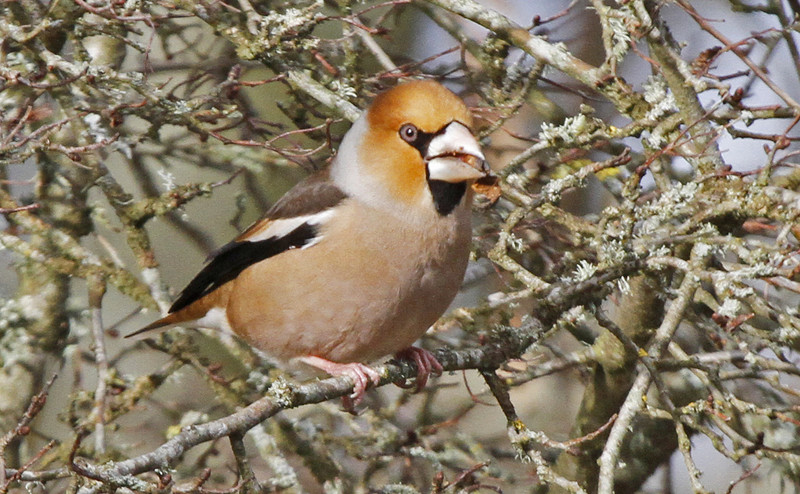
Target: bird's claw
{"points": [[427, 364], [360, 374]]}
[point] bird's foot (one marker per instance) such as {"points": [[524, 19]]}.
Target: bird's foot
{"points": [[426, 364], [361, 375]]}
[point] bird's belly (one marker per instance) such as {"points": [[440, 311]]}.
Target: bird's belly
{"points": [[364, 307]]}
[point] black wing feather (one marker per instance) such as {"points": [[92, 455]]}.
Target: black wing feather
{"points": [[233, 258]]}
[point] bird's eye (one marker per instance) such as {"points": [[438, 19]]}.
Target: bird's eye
{"points": [[409, 133]]}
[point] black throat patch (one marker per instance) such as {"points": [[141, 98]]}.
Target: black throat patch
{"points": [[446, 195]]}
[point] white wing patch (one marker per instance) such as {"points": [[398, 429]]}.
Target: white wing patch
{"points": [[284, 226]]}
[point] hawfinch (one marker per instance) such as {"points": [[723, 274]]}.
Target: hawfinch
{"points": [[355, 262]]}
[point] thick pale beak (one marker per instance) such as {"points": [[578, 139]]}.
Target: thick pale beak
{"points": [[455, 156]]}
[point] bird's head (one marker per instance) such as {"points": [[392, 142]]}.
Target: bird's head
{"points": [[411, 146]]}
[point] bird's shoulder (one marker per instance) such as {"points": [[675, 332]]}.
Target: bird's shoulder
{"points": [[313, 196]]}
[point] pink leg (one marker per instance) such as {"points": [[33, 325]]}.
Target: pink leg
{"points": [[426, 364], [361, 375]]}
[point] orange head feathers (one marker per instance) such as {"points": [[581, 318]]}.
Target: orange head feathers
{"points": [[393, 150]]}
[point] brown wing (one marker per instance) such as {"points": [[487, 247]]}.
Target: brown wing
{"points": [[311, 197]]}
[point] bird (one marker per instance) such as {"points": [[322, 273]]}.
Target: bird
{"points": [[355, 262]]}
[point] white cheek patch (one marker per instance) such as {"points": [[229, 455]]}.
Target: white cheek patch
{"points": [[346, 169], [353, 176]]}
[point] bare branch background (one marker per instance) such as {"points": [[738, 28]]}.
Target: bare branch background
{"points": [[630, 320]]}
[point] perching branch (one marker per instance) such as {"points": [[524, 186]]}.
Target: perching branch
{"points": [[285, 396]]}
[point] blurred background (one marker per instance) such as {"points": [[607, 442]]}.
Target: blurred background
{"points": [[144, 136]]}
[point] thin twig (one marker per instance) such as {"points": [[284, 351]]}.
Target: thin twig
{"points": [[22, 428], [97, 288], [634, 401]]}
